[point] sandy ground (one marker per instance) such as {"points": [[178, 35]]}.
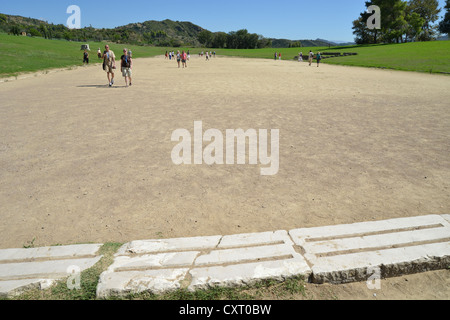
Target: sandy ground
{"points": [[81, 162]]}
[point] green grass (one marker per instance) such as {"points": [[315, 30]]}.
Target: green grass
{"points": [[25, 54], [418, 56], [431, 57]]}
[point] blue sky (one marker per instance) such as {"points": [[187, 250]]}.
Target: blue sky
{"points": [[301, 19]]}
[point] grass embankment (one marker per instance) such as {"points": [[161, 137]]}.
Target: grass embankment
{"points": [[25, 54], [418, 56]]}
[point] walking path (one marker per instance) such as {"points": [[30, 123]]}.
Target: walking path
{"points": [[334, 254]]}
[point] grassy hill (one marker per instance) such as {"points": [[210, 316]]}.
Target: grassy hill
{"points": [[182, 32], [158, 33], [163, 33]]}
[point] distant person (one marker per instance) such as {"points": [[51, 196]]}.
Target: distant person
{"points": [[178, 58], [167, 55], [109, 64], [126, 64], [310, 58], [300, 57], [276, 55], [99, 53], [280, 56], [319, 58], [85, 57], [189, 55], [207, 56], [184, 59]]}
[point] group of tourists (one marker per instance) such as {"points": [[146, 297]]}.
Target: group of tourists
{"points": [[208, 54], [179, 57], [126, 61], [109, 64], [300, 57]]}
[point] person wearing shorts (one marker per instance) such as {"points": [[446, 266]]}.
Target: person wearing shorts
{"points": [[109, 64], [126, 64], [184, 59]]}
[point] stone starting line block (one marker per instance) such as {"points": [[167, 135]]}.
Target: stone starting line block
{"points": [[334, 254]]}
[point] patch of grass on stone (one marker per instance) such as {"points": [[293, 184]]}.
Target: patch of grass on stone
{"points": [[88, 281], [290, 288]]}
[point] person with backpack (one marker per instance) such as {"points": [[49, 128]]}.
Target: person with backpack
{"points": [[126, 63], [319, 58]]}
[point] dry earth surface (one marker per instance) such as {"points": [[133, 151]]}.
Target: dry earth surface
{"points": [[81, 162]]}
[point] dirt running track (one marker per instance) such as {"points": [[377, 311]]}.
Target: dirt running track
{"points": [[81, 162]]}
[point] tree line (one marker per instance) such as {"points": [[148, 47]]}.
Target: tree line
{"points": [[240, 39], [61, 32], [402, 21]]}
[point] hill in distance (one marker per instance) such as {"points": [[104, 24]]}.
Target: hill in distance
{"points": [[158, 33]]}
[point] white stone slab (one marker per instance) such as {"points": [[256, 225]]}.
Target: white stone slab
{"points": [[255, 239], [378, 241], [300, 236], [243, 255], [15, 287], [49, 253], [446, 217], [44, 269], [161, 260], [394, 262], [158, 246], [248, 274], [120, 284]]}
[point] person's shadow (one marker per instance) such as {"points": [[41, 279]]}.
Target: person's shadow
{"points": [[105, 86]]}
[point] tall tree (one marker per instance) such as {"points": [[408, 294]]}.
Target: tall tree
{"points": [[363, 35], [428, 10], [444, 26], [415, 25]]}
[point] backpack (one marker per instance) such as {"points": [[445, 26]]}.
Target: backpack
{"points": [[126, 61]]}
